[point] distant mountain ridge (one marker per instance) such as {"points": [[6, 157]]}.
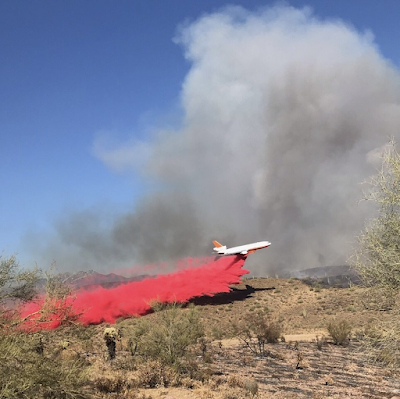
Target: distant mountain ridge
{"points": [[337, 276], [91, 279]]}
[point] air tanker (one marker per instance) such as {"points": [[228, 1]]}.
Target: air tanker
{"points": [[240, 250]]}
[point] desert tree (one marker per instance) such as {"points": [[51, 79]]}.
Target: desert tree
{"points": [[31, 365], [58, 300], [16, 286], [377, 257]]}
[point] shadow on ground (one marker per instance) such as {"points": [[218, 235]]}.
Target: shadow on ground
{"points": [[223, 298]]}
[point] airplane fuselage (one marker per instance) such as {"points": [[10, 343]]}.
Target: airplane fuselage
{"points": [[242, 249]]}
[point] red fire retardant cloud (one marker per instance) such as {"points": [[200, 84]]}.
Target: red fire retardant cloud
{"points": [[134, 299]]}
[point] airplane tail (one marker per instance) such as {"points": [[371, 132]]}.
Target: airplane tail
{"points": [[219, 247]]}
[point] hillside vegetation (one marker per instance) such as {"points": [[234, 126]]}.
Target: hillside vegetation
{"points": [[208, 349]]}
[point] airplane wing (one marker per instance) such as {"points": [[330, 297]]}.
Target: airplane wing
{"points": [[247, 251]]}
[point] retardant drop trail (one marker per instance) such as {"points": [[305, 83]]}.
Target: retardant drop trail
{"points": [[134, 299]]}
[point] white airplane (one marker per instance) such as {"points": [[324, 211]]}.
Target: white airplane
{"points": [[241, 250]]}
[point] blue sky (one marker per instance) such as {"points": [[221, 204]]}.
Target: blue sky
{"points": [[73, 70]]}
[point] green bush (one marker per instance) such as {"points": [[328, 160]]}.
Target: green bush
{"points": [[377, 257], [31, 369], [340, 332], [31, 364], [16, 285], [168, 335], [255, 330]]}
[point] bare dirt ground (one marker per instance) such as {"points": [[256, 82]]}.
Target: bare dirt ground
{"points": [[300, 370], [293, 370]]}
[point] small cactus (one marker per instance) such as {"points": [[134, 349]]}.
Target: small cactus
{"points": [[64, 345], [110, 336]]}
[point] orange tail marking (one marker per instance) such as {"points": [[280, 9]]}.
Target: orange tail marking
{"points": [[217, 244]]}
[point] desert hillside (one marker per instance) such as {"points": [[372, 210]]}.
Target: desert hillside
{"points": [[304, 362]]}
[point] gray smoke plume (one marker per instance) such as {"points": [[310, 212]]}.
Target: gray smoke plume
{"points": [[283, 113]]}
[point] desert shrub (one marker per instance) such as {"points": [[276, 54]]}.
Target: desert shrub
{"points": [[251, 386], [194, 370], [216, 333], [84, 338], [168, 335], [317, 287], [377, 257], [205, 348], [16, 284], [30, 368], [154, 373], [31, 364], [235, 381], [117, 384], [110, 383], [125, 363], [233, 393], [255, 330], [320, 341], [53, 307], [382, 341], [379, 298], [58, 301], [339, 331]]}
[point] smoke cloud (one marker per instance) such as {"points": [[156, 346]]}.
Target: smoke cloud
{"points": [[282, 112]]}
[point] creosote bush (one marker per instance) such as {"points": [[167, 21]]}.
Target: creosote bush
{"points": [[340, 332], [168, 336], [256, 330]]}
